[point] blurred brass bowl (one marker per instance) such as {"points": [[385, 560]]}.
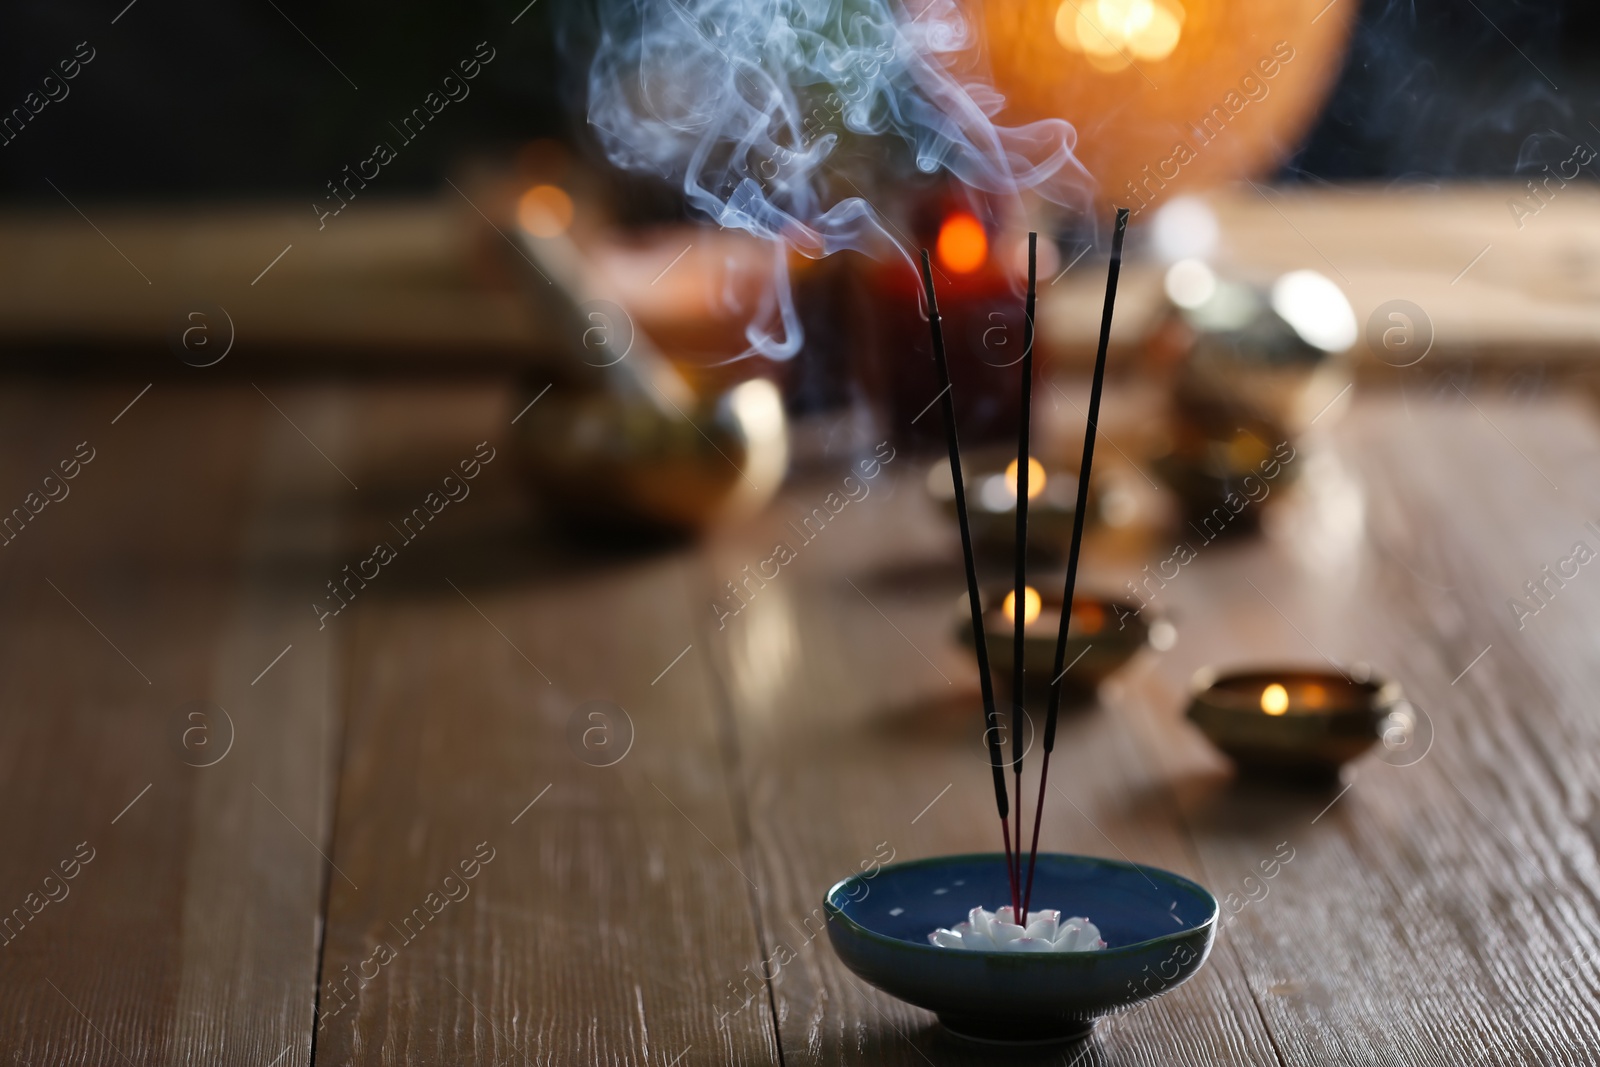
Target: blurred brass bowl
{"points": [[622, 462], [1312, 743], [1105, 634], [622, 446], [1278, 354], [994, 533], [1262, 364], [1228, 481]]}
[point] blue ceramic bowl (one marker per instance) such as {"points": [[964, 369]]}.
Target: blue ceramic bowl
{"points": [[1158, 929]]}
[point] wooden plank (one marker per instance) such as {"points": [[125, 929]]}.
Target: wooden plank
{"points": [[615, 906], [857, 714], [191, 935]]}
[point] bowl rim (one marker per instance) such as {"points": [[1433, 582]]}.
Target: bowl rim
{"points": [[834, 911], [1383, 691]]}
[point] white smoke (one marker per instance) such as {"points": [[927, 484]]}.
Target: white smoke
{"points": [[741, 102]]}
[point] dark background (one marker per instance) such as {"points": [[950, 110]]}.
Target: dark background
{"points": [[189, 100]]}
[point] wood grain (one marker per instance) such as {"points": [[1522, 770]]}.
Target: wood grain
{"points": [[1440, 912], [1436, 911], [616, 910], [858, 717], [191, 936]]}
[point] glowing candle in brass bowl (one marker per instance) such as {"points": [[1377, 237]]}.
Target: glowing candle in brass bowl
{"points": [[991, 478], [1294, 721], [1105, 634]]}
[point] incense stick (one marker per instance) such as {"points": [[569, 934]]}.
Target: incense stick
{"points": [[1089, 432], [1019, 602], [990, 721]]}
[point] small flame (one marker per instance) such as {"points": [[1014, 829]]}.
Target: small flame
{"points": [[963, 245], [1031, 605], [1274, 699], [1036, 477], [545, 211]]}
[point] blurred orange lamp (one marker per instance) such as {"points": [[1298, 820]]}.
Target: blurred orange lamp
{"points": [[545, 210], [1167, 94]]}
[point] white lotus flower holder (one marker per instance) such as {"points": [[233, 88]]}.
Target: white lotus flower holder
{"points": [[1045, 931]]}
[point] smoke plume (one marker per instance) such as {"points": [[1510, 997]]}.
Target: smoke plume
{"points": [[742, 103]]}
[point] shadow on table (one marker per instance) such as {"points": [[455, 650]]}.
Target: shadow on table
{"points": [[946, 718], [914, 578], [936, 1045], [1222, 804]]}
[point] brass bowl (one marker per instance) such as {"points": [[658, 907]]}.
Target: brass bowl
{"points": [[1259, 365], [1225, 484], [1277, 353], [1104, 635], [1309, 740], [621, 462], [623, 446]]}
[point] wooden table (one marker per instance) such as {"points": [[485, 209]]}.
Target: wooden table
{"points": [[304, 896]]}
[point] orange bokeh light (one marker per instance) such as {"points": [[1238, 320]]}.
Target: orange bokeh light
{"points": [[1088, 616], [963, 244], [545, 210]]}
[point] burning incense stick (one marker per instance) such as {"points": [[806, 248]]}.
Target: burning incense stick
{"points": [[1019, 597], [1077, 533], [990, 721]]}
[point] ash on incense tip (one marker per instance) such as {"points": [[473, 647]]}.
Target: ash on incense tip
{"points": [[1045, 931]]}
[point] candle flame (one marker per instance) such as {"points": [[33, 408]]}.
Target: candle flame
{"points": [[963, 245], [1036, 477], [1274, 699], [1031, 604]]}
